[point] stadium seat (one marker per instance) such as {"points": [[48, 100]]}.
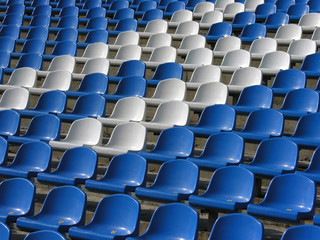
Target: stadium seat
{"points": [[296, 11], [283, 5], [172, 143], [9, 125], [273, 62], [237, 225], [124, 174], [217, 153], [174, 7], [21, 77], [309, 22], [5, 231], [214, 119], [313, 170], [226, 44], [32, 60], [42, 20], [66, 11], [218, 30], [264, 10], [116, 5], [63, 208], [285, 202], [252, 32], [210, 18], [94, 36], [171, 183], [30, 159], [232, 9], [298, 232], [197, 57], [94, 50], [201, 8], [65, 34], [45, 234], [299, 49], [191, 42], [125, 53], [125, 38], [242, 19], [59, 63], [185, 29], [129, 68], [220, 5], [288, 80], [314, 6], [94, 24], [62, 48], [276, 20], [121, 14], [123, 25], [153, 27], [157, 40], [75, 167], [288, 33], [234, 60], [36, 32], [204, 74], [65, 22], [85, 131], [116, 216], [149, 15], [179, 17], [95, 65], [14, 98], [310, 65], [165, 71], [7, 43], [251, 5], [262, 124], [161, 55]]}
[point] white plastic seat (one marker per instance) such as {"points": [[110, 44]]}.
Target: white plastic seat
{"points": [[154, 26], [316, 36], [161, 55], [21, 77], [125, 53], [197, 57], [14, 98], [204, 74], [85, 131], [273, 62], [251, 5], [201, 8], [62, 63], [125, 38], [124, 137], [210, 18], [94, 50], [185, 29], [168, 114], [232, 9], [56, 80], [209, 94], [95, 65], [235, 59], [309, 22], [126, 110], [226, 44], [191, 42], [288, 33], [220, 5], [261, 46], [167, 90], [179, 17], [299, 49], [157, 40], [244, 77]]}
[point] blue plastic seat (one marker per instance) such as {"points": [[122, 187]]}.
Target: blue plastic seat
{"points": [[173, 7], [94, 24], [288, 80], [12, 205], [274, 157], [30, 46], [128, 87], [32, 60], [314, 6], [121, 14], [313, 170], [171, 183], [65, 34], [88, 4], [124, 174], [4, 59], [296, 11], [307, 132], [116, 5], [42, 20], [65, 22], [172, 143], [165, 71], [300, 102], [143, 7], [123, 25], [63, 208], [301, 232], [133, 4], [214, 119], [44, 127], [89, 105], [76, 165], [116, 217], [36, 32], [14, 8], [276, 20], [48, 102], [38, 10], [254, 98], [172, 221], [164, 3], [218, 30], [31, 158], [283, 5], [11, 31], [242, 19], [91, 83], [237, 226], [94, 36], [311, 65], [13, 19], [3, 151], [5, 231], [262, 124], [220, 150], [62, 48], [9, 123], [57, 6], [290, 197], [93, 12], [230, 188], [264, 10], [45, 234], [66, 11], [252, 32], [150, 15], [129, 68]]}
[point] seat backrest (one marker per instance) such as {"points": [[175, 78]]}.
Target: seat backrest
{"points": [[63, 63], [247, 76], [129, 109], [204, 74], [15, 98], [128, 136], [308, 127], [98, 35], [91, 105], [163, 54], [42, 20], [255, 30], [23, 77], [57, 80], [131, 68], [97, 23], [96, 65], [237, 58], [9, 123], [211, 93], [256, 96], [64, 48], [289, 31], [85, 131], [38, 32], [94, 83], [237, 225], [159, 40], [7, 43], [156, 26], [32, 60], [123, 13], [51, 102], [192, 42], [222, 29], [251, 5], [96, 50], [152, 14], [311, 62], [201, 56], [126, 24], [290, 79], [263, 45], [226, 44], [234, 8], [188, 27], [170, 89], [298, 232], [44, 127], [5, 231], [181, 16], [10, 30], [278, 18], [222, 3], [275, 60], [203, 7], [168, 70], [127, 38], [129, 52], [33, 46], [212, 17], [131, 86], [310, 19], [302, 47], [298, 9], [175, 6]]}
